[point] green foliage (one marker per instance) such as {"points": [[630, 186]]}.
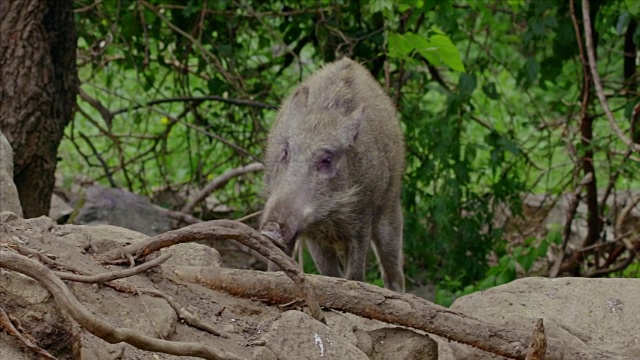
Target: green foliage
{"points": [[521, 258], [489, 95], [437, 48]]}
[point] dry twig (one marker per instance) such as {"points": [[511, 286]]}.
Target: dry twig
{"points": [[538, 345], [219, 182]]}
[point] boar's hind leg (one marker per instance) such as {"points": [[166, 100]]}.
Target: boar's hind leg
{"points": [[325, 257], [387, 241]]}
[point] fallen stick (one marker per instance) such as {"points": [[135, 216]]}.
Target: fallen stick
{"points": [[372, 302]]}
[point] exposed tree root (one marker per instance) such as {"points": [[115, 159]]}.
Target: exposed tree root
{"points": [[66, 300], [358, 298], [385, 305], [221, 230], [7, 326], [107, 279]]}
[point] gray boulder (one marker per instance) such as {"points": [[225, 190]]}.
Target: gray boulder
{"points": [[122, 208], [296, 335], [9, 200], [594, 313]]}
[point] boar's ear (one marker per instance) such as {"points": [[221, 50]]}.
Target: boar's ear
{"points": [[353, 123], [299, 98]]}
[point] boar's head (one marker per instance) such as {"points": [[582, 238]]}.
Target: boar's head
{"points": [[307, 162]]}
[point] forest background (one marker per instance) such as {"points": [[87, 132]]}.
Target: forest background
{"points": [[498, 100]]}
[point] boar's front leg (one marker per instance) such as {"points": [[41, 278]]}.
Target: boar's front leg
{"points": [[387, 241], [357, 248], [324, 256]]}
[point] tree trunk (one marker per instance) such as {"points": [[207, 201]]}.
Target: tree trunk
{"points": [[38, 88]]}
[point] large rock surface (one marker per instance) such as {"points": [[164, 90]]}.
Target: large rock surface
{"points": [[297, 336], [595, 313], [9, 200], [121, 208]]}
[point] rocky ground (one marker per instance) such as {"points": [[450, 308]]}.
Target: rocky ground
{"points": [[583, 313], [170, 302]]}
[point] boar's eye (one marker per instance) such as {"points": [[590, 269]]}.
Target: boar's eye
{"points": [[325, 162]]}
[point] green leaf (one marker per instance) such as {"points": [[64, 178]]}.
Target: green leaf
{"points": [[399, 47], [448, 52], [623, 21], [633, 6], [380, 6], [405, 5], [490, 90], [530, 72], [437, 30], [467, 84], [216, 86]]}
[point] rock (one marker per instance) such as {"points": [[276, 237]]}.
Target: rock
{"points": [[99, 238], [297, 336], [193, 254], [59, 210], [9, 200], [262, 353], [398, 343], [122, 208], [597, 313], [39, 315]]}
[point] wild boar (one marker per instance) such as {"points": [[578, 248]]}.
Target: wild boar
{"points": [[333, 169]]}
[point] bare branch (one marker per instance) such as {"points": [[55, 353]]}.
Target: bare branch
{"points": [[596, 78], [219, 182], [183, 314], [252, 103]]}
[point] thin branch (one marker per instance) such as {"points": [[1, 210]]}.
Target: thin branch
{"points": [[250, 216], [621, 266], [219, 182], [187, 318], [252, 103], [598, 82], [101, 160], [96, 326]]}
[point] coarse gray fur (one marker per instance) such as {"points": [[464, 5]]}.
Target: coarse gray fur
{"points": [[333, 170]]}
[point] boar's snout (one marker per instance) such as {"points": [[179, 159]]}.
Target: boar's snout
{"points": [[282, 220]]}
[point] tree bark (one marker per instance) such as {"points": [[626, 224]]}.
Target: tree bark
{"points": [[38, 88]]}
